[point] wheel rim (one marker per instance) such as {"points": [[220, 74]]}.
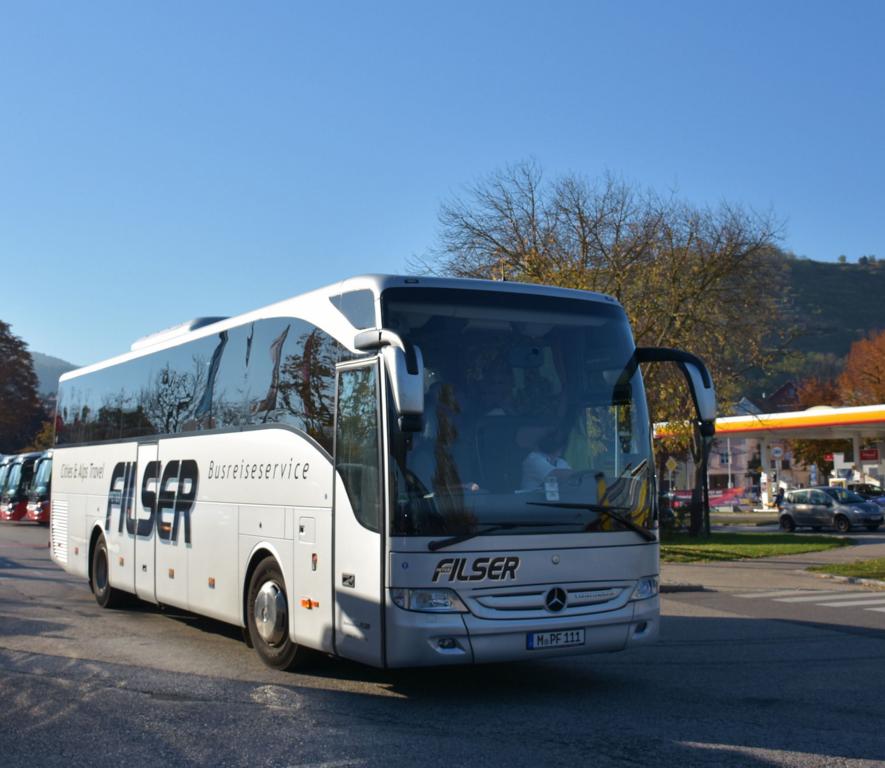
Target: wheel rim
{"points": [[101, 572], [270, 613]]}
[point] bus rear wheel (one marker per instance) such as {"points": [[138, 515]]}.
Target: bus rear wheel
{"points": [[267, 616], [105, 595]]}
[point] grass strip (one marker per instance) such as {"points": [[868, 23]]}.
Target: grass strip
{"points": [[718, 547], [860, 569]]}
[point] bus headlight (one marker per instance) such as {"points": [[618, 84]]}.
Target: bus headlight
{"points": [[427, 600], [645, 588]]}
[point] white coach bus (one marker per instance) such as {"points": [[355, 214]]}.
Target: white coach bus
{"points": [[401, 471]]}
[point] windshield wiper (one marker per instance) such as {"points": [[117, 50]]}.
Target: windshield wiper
{"points": [[602, 510], [457, 539]]}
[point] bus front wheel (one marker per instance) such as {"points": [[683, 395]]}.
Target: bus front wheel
{"points": [[267, 616]]}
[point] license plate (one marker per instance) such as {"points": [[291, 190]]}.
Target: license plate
{"points": [[535, 641]]}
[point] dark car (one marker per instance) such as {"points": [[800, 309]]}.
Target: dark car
{"points": [[828, 507], [673, 510], [869, 491]]}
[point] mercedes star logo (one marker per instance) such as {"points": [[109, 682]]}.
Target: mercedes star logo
{"points": [[556, 599]]}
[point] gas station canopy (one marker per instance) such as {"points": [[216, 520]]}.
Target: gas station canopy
{"points": [[821, 422]]}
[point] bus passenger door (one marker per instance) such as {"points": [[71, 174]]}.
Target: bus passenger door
{"points": [[358, 518], [146, 492]]}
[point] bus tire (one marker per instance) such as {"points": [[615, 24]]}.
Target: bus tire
{"points": [[99, 578], [267, 616]]}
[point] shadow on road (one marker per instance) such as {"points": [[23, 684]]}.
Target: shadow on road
{"points": [[723, 691]]}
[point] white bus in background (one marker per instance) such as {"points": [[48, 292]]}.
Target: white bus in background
{"points": [[401, 471]]}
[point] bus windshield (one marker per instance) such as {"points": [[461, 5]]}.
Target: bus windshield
{"points": [[534, 418], [40, 483], [13, 480]]}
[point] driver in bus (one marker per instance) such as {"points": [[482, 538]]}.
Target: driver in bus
{"points": [[547, 458]]}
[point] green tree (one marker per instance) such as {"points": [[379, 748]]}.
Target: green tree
{"points": [[20, 411], [44, 438]]}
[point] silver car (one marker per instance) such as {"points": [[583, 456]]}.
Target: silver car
{"points": [[828, 507]]}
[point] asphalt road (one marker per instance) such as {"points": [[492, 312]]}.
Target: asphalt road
{"points": [[740, 678]]}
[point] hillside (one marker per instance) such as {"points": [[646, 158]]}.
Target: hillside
{"points": [[831, 306], [48, 369], [836, 304]]}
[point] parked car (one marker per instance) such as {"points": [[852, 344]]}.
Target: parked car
{"points": [[14, 498], [38, 493], [673, 509], [869, 491], [827, 507]]}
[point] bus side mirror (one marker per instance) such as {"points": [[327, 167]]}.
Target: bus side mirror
{"points": [[698, 377], [407, 388], [405, 370]]}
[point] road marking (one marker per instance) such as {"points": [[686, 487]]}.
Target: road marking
{"points": [[848, 603], [788, 592], [840, 599], [819, 596]]}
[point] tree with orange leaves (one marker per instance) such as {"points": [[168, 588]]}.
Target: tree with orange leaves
{"points": [[816, 391], [863, 379]]}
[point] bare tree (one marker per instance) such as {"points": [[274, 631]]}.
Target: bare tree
{"points": [[710, 280], [173, 396]]}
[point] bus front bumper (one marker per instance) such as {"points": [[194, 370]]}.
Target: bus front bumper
{"points": [[422, 639]]}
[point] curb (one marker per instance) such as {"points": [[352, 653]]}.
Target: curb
{"points": [[665, 588], [848, 579]]}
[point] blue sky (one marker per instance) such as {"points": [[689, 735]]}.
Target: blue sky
{"points": [[161, 161]]}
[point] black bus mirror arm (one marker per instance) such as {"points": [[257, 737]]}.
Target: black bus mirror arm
{"points": [[700, 383]]}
